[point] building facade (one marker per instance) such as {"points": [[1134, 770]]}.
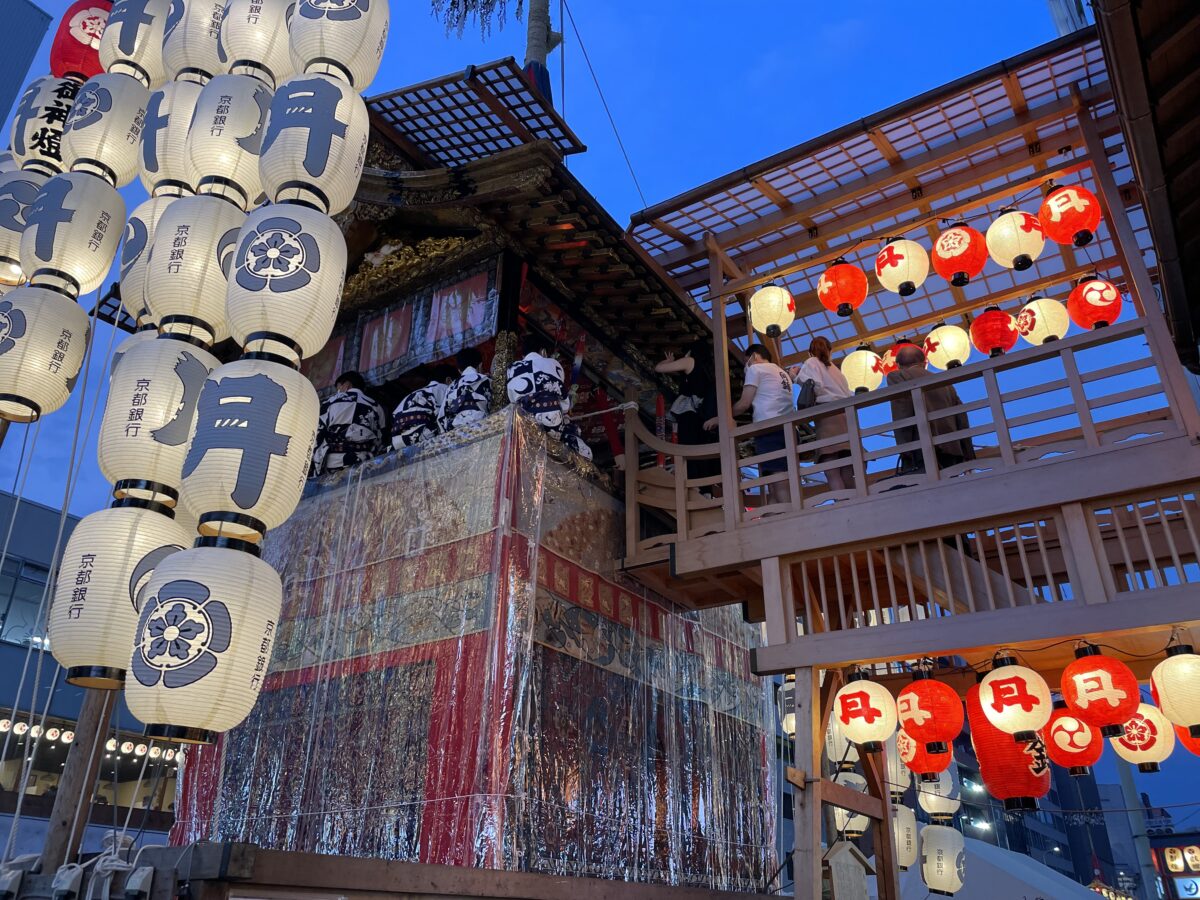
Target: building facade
{"points": [[24, 27]]}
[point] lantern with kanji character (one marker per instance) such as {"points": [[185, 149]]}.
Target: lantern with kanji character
{"points": [[925, 763], [959, 254], [203, 640], [1069, 215], [133, 39], [35, 138], [102, 135], [866, 712], [135, 252], [839, 749], [148, 417], [191, 40], [930, 712], [852, 824], [225, 137], [105, 568], [902, 266], [994, 332], [1042, 320], [905, 836], [1148, 739], [1094, 303], [941, 798], [1072, 743], [947, 346], [1015, 239], [73, 229], [863, 369], [943, 859], [842, 287], [163, 163], [772, 310], [17, 191], [1100, 690], [899, 776], [254, 38], [1015, 699], [1176, 682], [75, 51], [1014, 772], [43, 336], [343, 39], [142, 335]]}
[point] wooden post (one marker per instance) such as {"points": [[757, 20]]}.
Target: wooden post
{"points": [[887, 873], [806, 800], [65, 831], [729, 470]]}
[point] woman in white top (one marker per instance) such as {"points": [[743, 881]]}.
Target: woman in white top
{"points": [[831, 386]]}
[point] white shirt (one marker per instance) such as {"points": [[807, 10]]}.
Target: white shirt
{"points": [[829, 381], [773, 391]]}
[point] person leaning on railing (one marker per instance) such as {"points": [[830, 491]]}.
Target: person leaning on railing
{"points": [[911, 362], [831, 385], [695, 404]]}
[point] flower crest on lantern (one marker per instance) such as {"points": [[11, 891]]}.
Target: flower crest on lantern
{"points": [[1176, 683], [1069, 215], [947, 346], [1094, 303], [863, 369], [1148, 739], [772, 310], [1043, 320], [1072, 743], [930, 711], [342, 38], [842, 287], [959, 254], [902, 266], [994, 332], [74, 53], [1100, 690], [1015, 699], [1015, 239], [866, 711]]}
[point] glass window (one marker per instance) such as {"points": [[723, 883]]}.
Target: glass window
{"points": [[20, 597]]}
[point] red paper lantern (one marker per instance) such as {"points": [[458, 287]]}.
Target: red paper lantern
{"points": [[1094, 303], [75, 51], [930, 712], [1100, 691], [994, 332], [1015, 772], [1070, 742], [1191, 744], [842, 287], [888, 362], [959, 254], [914, 754], [1069, 215]]}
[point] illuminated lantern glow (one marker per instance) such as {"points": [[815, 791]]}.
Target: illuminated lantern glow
{"points": [[1069, 215], [1043, 320], [1184, 736], [343, 39], [902, 266], [225, 137], [899, 776], [905, 837], [1094, 303], [162, 378], [1015, 239], [133, 39], [1072, 743], [930, 711], [206, 627], [888, 362], [163, 163], [772, 310], [920, 760], [1176, 682], [942, 797], [863, 369], [842, 288], [947, 347], [994, 332], [1014, 772], [1100, 690], [1015, 699], [75, 51], [1148, 739], [43, 336], [191, 43], [102, 135], [959, 254], [866, 712], [254, 38], [18, 189], [852, 824], [105, 568], [143, 334], [839, 749], [943, 859], [35, 139]]}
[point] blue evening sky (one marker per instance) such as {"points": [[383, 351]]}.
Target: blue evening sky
{"points": [[697, 88]]}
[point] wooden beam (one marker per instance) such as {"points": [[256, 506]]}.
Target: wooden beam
{"points": [[806, 804], [846, 797]]}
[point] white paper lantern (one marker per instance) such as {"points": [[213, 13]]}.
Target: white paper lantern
{"points": [[1015, 239], [1015, 699], [315, 143], [943, 860], [254, 38], [286, 283], [72, 232], [191, 39], [141, 336], [902, 266], [103, 133], [17, 190], [133, 40], [344, 38], [163, 163], [148, 417], [37, 126], [899, 776], [225, 137], [249, 455], [43, 336], [905, 837], [135, 253], [852, 824], [942, 798], [1176, 682], [1148, 740], [947, 347], [1042, 320], [105, 569], [863, 369], [772, 310], [785, 701], [203, 643], [866, 712], [190, 258], [839, 749]]}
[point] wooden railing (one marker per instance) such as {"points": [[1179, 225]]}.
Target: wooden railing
{"points": [[1093, 393]]}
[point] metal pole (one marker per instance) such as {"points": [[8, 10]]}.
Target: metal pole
{"points": [[1148, 887]]}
